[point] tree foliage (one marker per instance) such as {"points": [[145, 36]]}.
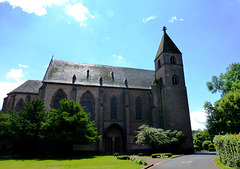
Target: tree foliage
{"points": [[157, 136], [224, 115], [25, 130], [229, 81], [70, 124], [199, 138]]}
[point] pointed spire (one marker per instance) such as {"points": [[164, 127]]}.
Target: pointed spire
{"points": [[167, 45]]}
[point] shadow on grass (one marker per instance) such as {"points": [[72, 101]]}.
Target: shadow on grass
{"points": [[41, 158]]}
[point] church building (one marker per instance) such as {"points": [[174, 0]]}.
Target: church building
{"points": [[118, 99]]}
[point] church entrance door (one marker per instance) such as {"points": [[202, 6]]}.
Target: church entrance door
{"points": [[114, 139]]}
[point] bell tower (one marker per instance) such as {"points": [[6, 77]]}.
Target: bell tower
{"points": [[172, 94]]}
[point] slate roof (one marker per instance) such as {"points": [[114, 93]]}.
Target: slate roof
{"points": [[30, 86], [62, 72], [167, 45]]}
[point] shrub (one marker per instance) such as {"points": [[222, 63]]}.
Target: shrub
{"points": [[205, 144], [161, 155], [123, 157], [139, 161], [196, 148], [228, 149], [115, 154], [140, 154], [211, 147]]}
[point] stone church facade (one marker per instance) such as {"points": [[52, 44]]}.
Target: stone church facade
{"points": [[119, 99]]}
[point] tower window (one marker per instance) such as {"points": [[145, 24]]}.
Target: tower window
{"points": [[173, 60], [175, 80], [138, 108], [113, 113], [159, 64], [20, 105]]}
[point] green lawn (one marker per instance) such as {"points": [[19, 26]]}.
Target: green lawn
{"points": [[99, 162]]}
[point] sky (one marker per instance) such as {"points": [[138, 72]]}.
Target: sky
{"points": [[119, 33]]}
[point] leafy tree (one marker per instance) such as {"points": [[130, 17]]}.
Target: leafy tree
{"points": [[224, 115], [176, 138], [4, 127], [199, 138], [70, 124], [25, 126], [226, 82], [151, 136]]}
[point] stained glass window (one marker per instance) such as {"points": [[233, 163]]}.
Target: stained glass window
{"points": [[20, 105], [113, 113], [88, 103], [59, 96], [138, 108]]}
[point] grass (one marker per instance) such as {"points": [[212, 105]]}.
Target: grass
{"points": [[100, 162], [222, 166]]}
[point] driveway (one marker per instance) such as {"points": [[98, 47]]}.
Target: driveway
{"points": [[194, 161]]}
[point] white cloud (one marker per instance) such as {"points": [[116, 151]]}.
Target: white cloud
{"points": [[24, 66], [7, 87], [37, 7], [15, 74], [106, 38], [79, 13], [149, 18], [175, 19], [198, 119], [120, 57], [46, 66]]}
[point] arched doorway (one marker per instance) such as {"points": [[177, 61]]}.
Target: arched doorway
{"points": [[114, 139]]}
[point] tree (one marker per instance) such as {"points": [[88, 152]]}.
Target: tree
{"points": [[224, 115], [4, 126], [25, 126], [199, 138], [229, 81], [70, 124], [151, 136]]}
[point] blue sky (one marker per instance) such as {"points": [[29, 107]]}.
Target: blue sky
{"points": [[119, 33]]}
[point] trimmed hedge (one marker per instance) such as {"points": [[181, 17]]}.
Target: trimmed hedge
{"points": [[228, 149], [123, 157], [161, 155]]}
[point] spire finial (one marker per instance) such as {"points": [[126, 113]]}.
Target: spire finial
{"points": [[164, 29]]}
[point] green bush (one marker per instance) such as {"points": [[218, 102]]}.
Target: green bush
{"points": [[123, 157], [211, 147], [196, 148], [228, 149], [139, 161], [161, 155], [205, 144], [140, 154], [116, 154]]}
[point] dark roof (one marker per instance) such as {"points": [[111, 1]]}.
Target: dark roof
{"points": [[167, 45], [30, 86], [62, 72]]}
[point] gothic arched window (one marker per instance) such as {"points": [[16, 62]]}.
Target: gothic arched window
{"points": [[59, 95], [113, 111], [138, 108], [87, 101], [175, 80], [20, 105], [173, 60]]}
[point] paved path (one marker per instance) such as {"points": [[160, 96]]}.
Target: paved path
{"points": [[193, 161]]}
